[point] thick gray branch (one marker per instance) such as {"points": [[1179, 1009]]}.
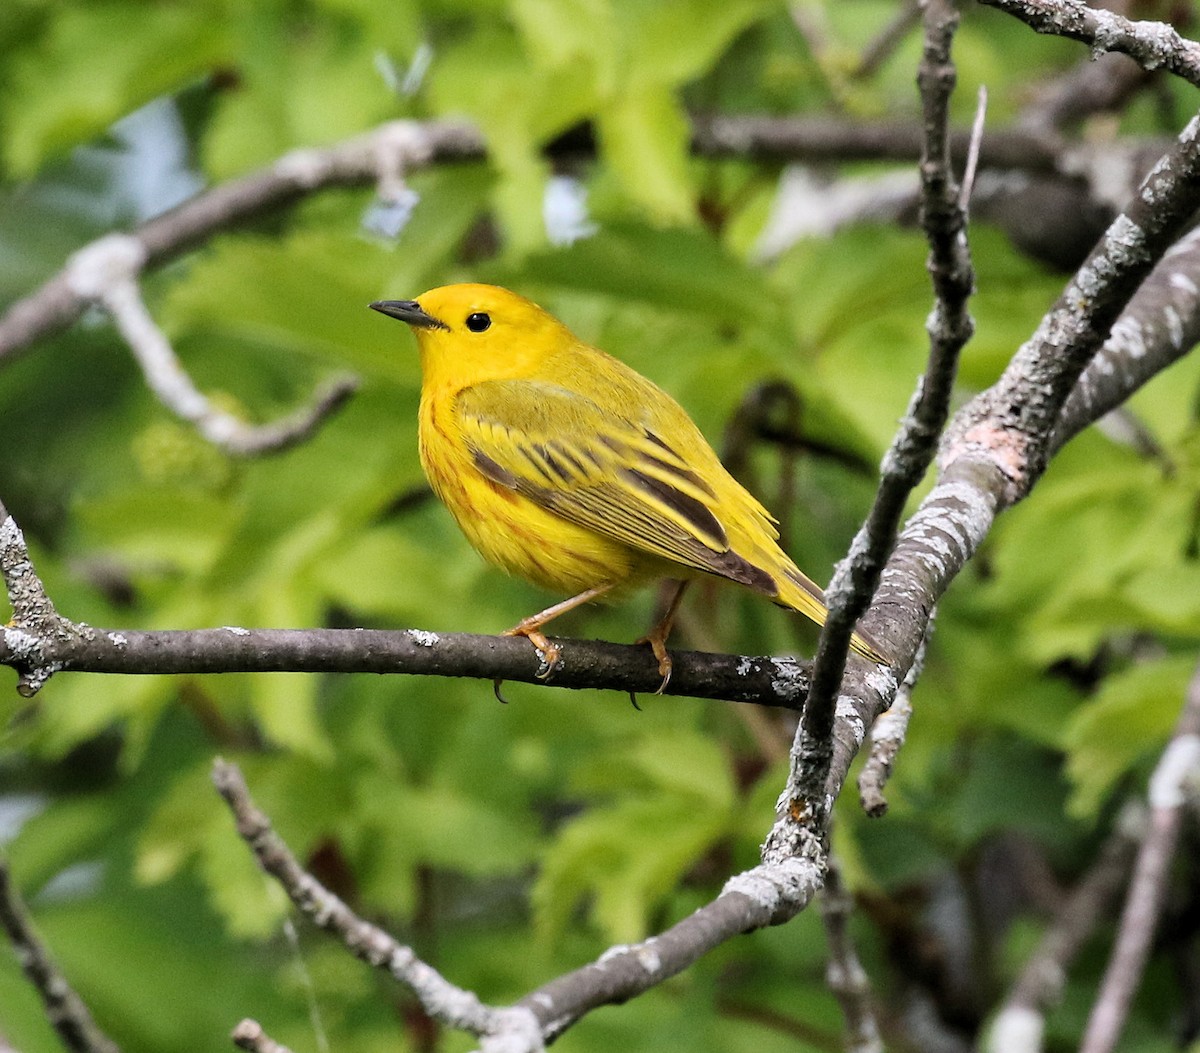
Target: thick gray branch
{"points": [[1010, 426], [583, 663], [1160, 326], [766, 895], [1154, 45]]}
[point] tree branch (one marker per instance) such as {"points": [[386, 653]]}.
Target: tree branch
{"points": [[1154, 45], [39, 642], [375, 156], [888, 733], [105, 273], [950, 327], [1008, 429], [1160, 325], [66, 1010], [355, 162], [584, 664], [990, 460], [769, 894], [36, 627], [816, 139], [844, 974], [250, 1036], [1020, 1023], [762, 896], [1095, 85], [996, 447], [442, 1000], [1180, 761]]}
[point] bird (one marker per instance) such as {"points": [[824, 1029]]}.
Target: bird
{"points": [[568, 468]]}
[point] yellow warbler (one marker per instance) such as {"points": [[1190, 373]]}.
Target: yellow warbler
{"points": [[564, 466]]}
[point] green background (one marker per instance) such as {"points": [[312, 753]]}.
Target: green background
{"points": [[512, 843]]}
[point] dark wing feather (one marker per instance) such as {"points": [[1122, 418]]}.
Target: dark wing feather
{"points": [[597, 468]]}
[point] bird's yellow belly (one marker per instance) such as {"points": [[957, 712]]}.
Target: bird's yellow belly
{"points": [[516, 535]]}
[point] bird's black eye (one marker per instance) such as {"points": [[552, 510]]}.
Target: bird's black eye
{"points": [[478, 321]]}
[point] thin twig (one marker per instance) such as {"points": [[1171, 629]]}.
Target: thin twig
{"points": [[968, 179], [68, 1013], [1148, 888], [1019, 1025], [105, 272], [844, 974], [250, 1036], [887, 736], [884, 44], [912, 450], [442, 1000], [361, 160]]}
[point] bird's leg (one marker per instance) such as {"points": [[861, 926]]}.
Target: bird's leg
{"points": [[657, 637], [531, 627]]}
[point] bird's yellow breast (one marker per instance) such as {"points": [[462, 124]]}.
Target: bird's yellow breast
{"points": [[511, 531]]}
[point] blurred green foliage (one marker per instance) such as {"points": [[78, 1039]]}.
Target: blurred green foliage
{"points": [[510, 843]]}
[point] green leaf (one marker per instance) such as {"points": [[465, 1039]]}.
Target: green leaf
{"points": [[898, 852], [983, 804], [1064, 559], [148, 50], [682, 764], [1167, 598], [307, 294], [488, 76], [627, 857], [1129, 719], [584, 32], [155, 530], [670, 44], [645, 137], [391, 573], [686, 272], [297, 89], [676, 798]]}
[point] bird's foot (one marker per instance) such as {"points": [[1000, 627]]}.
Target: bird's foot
{"points": [[658, 644], [547, 651]]}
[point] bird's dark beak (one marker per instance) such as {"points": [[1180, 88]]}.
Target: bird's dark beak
{"points": [[408, 311]]}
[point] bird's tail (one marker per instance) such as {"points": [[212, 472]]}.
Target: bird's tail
{"points": [[800, 594]]}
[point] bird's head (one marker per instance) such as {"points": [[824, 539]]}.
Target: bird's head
{"points": [[472, 333]]}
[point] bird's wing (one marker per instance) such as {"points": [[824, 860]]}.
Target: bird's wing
{"points": [[598, 468]]}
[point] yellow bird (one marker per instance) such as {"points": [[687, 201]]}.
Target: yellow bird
{"points": [[565, 467]]}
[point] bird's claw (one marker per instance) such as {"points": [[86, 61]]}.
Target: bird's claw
{"points": [[659, 646], [550, 653]]}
